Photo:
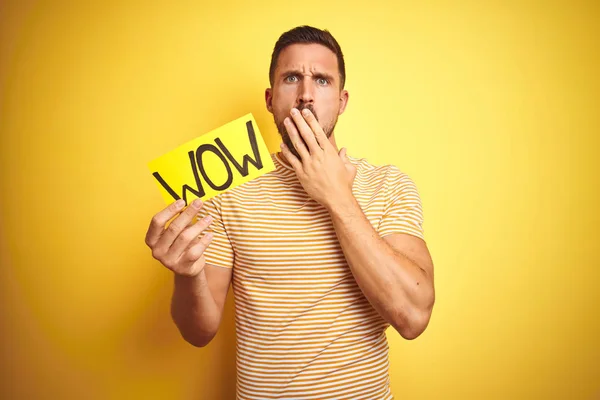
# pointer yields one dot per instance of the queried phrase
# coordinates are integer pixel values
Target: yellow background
(491, 107)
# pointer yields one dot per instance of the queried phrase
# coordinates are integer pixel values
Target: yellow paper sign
(213, 163)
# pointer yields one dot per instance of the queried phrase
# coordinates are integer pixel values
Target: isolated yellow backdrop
(491, 107)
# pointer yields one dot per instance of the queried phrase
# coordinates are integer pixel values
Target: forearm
(394, 285)
(194, 309)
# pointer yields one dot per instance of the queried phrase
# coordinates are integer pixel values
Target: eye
(323, 81)
(291, 78)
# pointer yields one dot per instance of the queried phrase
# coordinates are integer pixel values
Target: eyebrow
(316, 75)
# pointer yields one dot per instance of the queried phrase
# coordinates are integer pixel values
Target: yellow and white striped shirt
(304, 329)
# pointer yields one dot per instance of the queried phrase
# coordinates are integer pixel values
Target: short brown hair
(308, 35)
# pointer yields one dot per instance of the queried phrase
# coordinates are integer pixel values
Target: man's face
(306, 76)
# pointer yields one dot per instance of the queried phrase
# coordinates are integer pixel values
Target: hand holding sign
(216, 157)
(179, 247)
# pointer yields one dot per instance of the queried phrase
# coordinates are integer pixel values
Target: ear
(343, 101)
(269, 99)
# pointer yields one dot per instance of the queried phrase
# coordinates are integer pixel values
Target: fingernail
(197, 203)
(294, 111)
(209, 235)
(179, 203)
(208, 219)
(306, 111)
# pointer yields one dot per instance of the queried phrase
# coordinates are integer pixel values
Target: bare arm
(199, 290)
(198, 302)
(394, 273)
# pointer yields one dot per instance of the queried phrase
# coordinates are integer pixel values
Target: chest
(281, 227)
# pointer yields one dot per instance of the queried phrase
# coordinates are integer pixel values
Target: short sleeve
(403, 211)
(219, 252)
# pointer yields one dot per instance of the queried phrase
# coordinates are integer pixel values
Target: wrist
(191, 281)
(341, 206)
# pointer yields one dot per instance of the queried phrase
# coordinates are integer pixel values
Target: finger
(187, 237)
(295, 138)
(343, 155)
(158, 222)
(189, 258)
(320, 136)
(293, 160)
(177, 226)
(306, 131)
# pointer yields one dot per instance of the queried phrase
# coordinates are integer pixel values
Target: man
(324, 253)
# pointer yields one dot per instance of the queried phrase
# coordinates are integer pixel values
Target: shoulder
(386, 172)
(387, 182)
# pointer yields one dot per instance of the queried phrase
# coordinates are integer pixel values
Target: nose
(305, 91)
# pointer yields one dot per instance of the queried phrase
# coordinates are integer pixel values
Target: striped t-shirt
(304, 329)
